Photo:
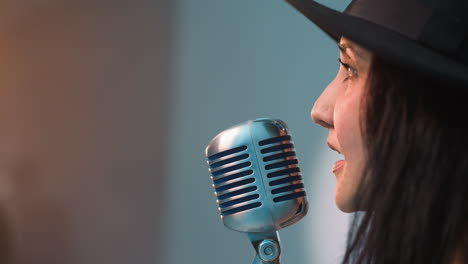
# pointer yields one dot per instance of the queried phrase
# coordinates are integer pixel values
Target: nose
(322, 111)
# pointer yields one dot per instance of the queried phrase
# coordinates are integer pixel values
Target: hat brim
(389, 44)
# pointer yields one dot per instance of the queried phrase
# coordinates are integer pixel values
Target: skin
(338, 109)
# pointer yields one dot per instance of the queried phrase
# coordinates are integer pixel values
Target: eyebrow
(342, 47)
(345, 46)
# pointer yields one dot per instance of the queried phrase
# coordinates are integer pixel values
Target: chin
(346, 190)
(344, 201)
(345, 207)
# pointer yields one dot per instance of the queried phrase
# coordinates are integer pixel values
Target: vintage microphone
(257, 183)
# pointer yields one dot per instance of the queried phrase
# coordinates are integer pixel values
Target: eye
(351, 72)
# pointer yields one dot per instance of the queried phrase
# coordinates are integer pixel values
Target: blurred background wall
(235, 61)
(106, 107)
(84, 89)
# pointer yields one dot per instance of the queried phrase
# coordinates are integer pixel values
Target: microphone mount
(267, 247)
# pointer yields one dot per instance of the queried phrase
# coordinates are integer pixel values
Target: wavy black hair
(414, 191)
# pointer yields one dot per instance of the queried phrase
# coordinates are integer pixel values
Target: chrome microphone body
(257, 182)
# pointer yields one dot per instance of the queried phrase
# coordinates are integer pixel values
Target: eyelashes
(344, 64)
(351, 72)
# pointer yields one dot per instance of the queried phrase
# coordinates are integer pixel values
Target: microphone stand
(267, 247)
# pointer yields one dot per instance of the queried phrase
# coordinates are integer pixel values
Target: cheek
(348, 134)
(348, 131)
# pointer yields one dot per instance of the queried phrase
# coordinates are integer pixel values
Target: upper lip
(333, 147)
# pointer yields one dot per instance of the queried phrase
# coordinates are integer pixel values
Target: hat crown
(423, 35)
(456, 7)
(441, 25)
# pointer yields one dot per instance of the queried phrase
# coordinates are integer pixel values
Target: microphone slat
(283, 172)
(241, 209)
(289, 196)
(239, 200)
(280, 164)
(226, 153)
(274, 140)
(232, 168)
(220, 180)
(277, 148)
(279, 156)
(230, 160)
(234, 185)
(238, 192)
(285, 180)
(287, 188)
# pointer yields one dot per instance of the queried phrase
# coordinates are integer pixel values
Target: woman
(396, 111)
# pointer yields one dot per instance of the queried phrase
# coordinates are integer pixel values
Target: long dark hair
(414, 192)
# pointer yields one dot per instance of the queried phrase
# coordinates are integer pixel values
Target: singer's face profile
(338, 109)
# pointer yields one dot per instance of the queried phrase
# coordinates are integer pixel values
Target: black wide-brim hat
(425, 35)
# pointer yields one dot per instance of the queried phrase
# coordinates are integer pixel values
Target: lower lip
(338, 165)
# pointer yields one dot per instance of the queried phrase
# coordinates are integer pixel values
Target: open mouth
(338, 165)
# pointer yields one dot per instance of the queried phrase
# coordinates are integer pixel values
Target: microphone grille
(284, 179)
(254, 172)
(229, 165)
